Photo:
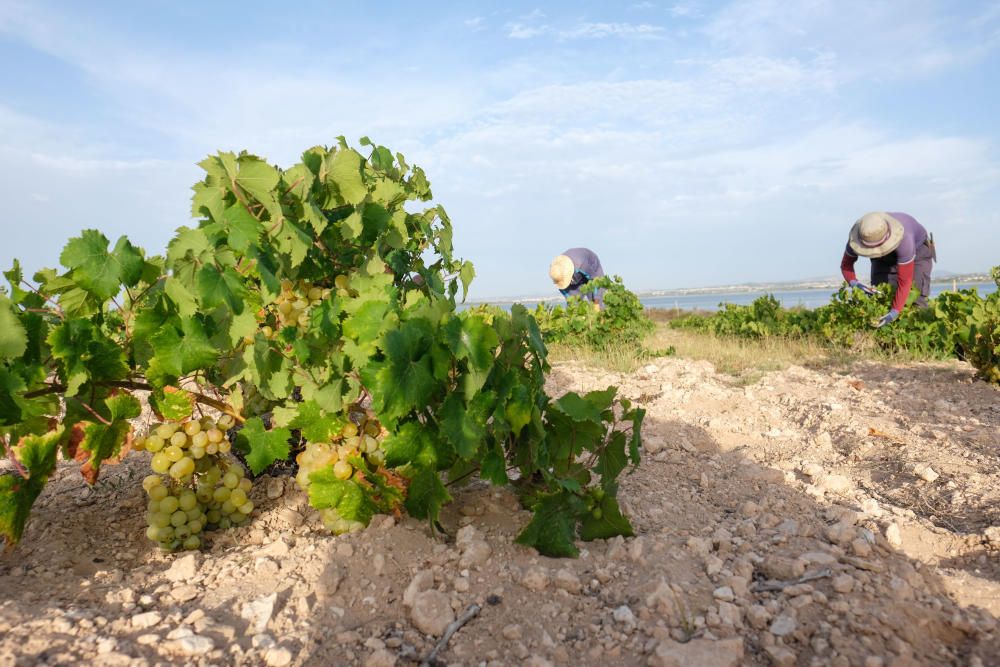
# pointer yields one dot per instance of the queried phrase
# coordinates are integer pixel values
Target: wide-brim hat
(875, 235)
(561, 271)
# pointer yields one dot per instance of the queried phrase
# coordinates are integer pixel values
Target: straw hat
(875, 235)
(561, 271)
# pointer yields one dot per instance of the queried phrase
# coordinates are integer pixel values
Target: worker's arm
(847, 267)
(904, 280)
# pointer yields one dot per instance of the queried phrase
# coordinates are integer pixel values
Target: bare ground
(811, 518)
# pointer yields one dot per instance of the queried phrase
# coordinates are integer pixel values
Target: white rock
(835, 484)
(191, 645)
(475, 552)
(258, 612)
(992, 535)
(183, 569)
(466, 534)
(623, 615)
(812, 470)
(278, 656)
(184, 592)
(724, 593)
(422, 581)
(146, 620)
(780, 656)
(568, 581)
(432, 612)
(537, 661)
(925, 472)
(783, 625)
(843, 583)
(275, 488)
(701, 652)
(893, 535)
(535, 578)
(381, 658)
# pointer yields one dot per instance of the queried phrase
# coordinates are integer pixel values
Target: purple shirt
(587, 266)
(914, 235)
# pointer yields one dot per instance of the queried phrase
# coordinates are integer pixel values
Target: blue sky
(688, 143)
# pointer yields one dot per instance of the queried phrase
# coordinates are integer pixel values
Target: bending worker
(901, 252)
(575, 268)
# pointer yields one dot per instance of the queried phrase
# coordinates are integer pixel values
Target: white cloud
(601, 30)
(476, 23)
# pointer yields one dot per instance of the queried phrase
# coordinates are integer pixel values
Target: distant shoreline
(832, 284)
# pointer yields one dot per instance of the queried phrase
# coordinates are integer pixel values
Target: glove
(857, 284)
(887, 318)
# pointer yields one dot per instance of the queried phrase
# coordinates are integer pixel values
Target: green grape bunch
(195, 484)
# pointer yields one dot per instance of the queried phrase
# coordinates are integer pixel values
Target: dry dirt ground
(811, 518)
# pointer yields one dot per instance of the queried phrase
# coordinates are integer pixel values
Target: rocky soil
(811, 518)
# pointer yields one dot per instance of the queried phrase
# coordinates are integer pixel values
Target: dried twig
(773, 586)
(470, 613)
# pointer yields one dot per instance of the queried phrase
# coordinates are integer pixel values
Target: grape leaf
(426, 494)
(552, 529)
(172, 404)
(262, 447)
(611, 523)
(221, 287)
(464, 425)
(257, 177)
(95, 269)
(345, 171)
(179, 353)
(97, 442)
(349, 499)
(13, 337)
(413, 443)
(244, 229)
(315, 424)
(86, 354)
(37, 454)
(473, 339)
(405, 380)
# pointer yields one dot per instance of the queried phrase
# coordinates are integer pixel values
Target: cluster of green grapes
(195, 485)
(364, 440)
(294, 302)
(594, 496)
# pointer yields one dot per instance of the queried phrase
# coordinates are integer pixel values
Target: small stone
(278, 656)
(780, 656)
(262, 641)
(184, 592)
(146, 620)
(893, 536)
(475, 553)
(381, 658)
(758, 616)
(783, 569)
(265, 567)
(512, 632)
(183, 569)
(925, 472)
(420, 583)
(278, 549)
(623, 616)
(191, 645)
(843, 583)
(812, 470)
(148, 639)
(783, 625)
(992, 535)
(432, 612)
(724, 593)
(258, 612)
(861, 548)
(275, 488)
(461, 584)
(537, 661)
(701, 652)
(568, 581)
(835, 484)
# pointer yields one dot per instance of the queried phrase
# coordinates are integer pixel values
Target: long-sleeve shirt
(587, 267)
(914, 235)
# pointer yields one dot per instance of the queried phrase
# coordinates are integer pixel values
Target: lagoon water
(808, 298)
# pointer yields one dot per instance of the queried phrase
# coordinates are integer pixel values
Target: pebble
(146, 620)
(843, 583)
(475, 553)
(835, 484)
(431, 612)
(183, 569)
(512, 632)
(783, 625)
(893, 536)
(925, 472)
(535, 579)
(381, 658)
(275, 488)
(623, 616)
(258, 612)
(537, 661)
(780, 656)
(278, 656)
(184, 593)
(191, 645)
(758, 616)
(724, 593)
(568, 581)
(701, 652)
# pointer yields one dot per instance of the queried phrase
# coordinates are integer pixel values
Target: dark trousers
(884, 271)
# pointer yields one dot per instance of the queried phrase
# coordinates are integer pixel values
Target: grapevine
(314, 309)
